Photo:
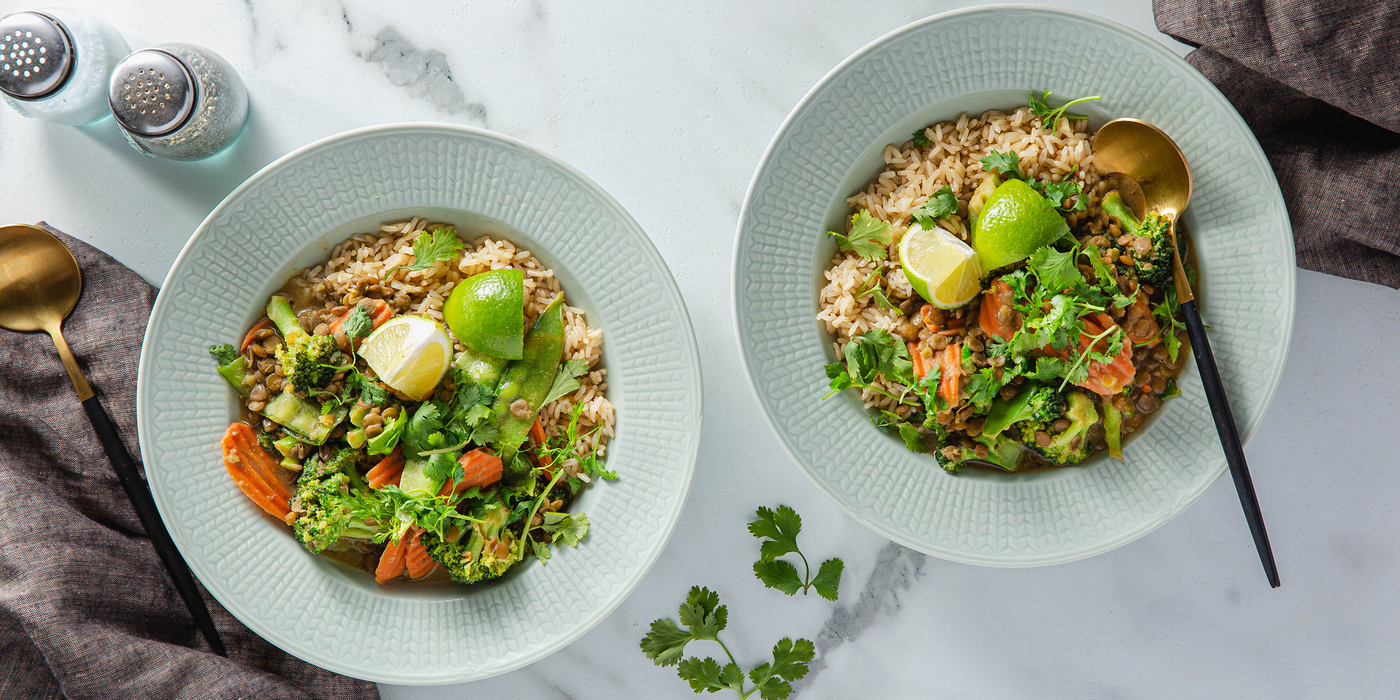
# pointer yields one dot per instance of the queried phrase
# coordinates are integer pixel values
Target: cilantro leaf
(358, 323)
(913, 441)
(566, 380)
(1102, 270)
(941, 205)
(665, 646)
(1168, 315)
(778, 574)
(371, 392)
(703, 614)
(1058, 192)
(869, 238)
(1008, 164)
(1053, 269)
(876, 292)
(568, 528)
(828, 578)
(1050, 118)
(665, 643)
(982, 387)
(921, 138)
(707, 675)
(778, 529)
(1048, 369)
(430, 248)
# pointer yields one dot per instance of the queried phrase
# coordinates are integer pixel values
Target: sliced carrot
(242, 438)
(378, 315)
(920, 368)
(238, 460)
(248, 339)
(479, 468)
(950, 367)
(537, 432)
(1107, 379)
(391, 562)
(388, 471)
(416, 557)
(996, 298)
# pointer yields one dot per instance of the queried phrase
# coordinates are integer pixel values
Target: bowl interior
(470, 227)
(289, 216)
(868, 166)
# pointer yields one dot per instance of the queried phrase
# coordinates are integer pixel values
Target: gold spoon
(40, 283)
(1146, 154)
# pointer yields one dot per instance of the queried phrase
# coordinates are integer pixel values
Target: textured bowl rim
(242, 613)
(742, 333)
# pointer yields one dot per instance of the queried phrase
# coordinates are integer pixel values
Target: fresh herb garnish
(868, 356)
(566, 380)
(1006, 164)
(223, 354)
(941, 205)
(921, 138)
(1058, 192)
(1050, 118)
(869, 238)
(877, 293)
(778, 530)
(357, 323)
(431, 248)
(1168, 314)
(702, 619)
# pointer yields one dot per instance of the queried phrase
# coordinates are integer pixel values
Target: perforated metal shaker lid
(152, 93)
(36, 55)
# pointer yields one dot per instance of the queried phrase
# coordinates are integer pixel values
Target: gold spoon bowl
(40, 283)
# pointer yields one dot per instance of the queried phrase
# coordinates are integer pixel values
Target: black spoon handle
(140, 495)
(1229, 439)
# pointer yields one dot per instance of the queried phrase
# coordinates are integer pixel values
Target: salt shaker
(178, 101)
(56, 62)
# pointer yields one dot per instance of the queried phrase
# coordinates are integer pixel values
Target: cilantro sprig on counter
(778, 531)
(702, 618)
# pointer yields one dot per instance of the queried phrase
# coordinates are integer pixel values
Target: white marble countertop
(669, 106)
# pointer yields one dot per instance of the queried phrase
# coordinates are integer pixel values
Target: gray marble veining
(423, 72)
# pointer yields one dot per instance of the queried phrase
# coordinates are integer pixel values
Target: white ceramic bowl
(288, 216)
(830, 146)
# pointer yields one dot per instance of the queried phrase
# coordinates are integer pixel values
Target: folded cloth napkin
(1319, 83)
(86, 609)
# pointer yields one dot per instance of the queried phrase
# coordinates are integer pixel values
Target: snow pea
(528, 379)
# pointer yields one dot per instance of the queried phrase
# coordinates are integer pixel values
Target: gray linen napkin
(1319, 83)
(86, 609)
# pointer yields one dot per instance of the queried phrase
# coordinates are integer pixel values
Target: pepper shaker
(55, 63)
(178, 101)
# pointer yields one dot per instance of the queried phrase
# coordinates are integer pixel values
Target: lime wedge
(940, 267)
(487, 313)
(1015, 221)
(409, 353)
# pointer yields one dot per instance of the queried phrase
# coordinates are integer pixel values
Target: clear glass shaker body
(82, 98)
(214, 122)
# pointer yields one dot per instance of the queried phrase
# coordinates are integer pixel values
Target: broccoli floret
(1155, 266)
(1002, 452)
(485, 553)
(1033, 402)
(306, 361)
(223, 354)
(321, 499)
(1072, 445)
